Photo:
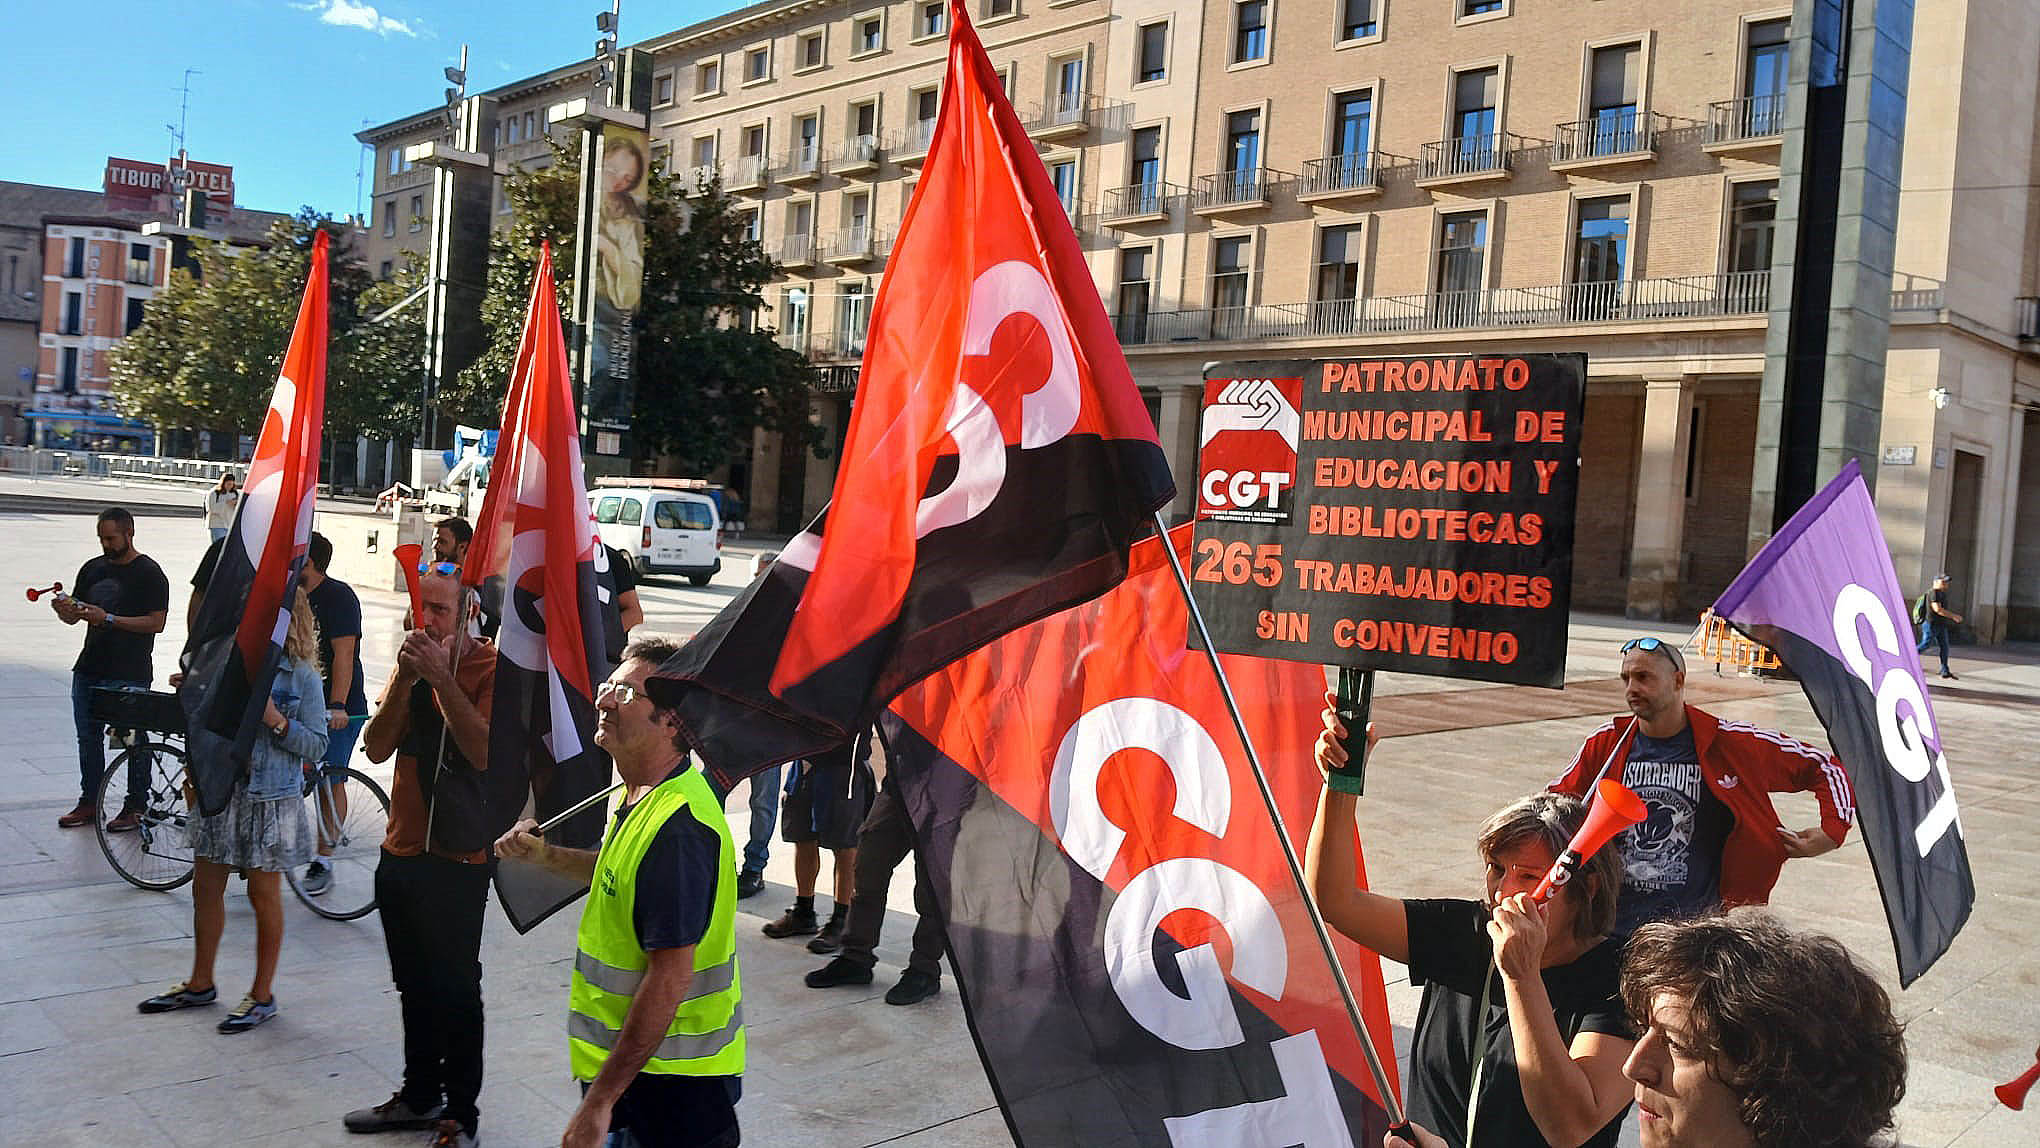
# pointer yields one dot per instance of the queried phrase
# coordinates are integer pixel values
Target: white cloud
(346, 14)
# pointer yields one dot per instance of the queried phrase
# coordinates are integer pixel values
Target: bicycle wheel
(156, 855)
(355, 839)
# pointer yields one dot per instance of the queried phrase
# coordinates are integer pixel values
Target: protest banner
(1405, 513)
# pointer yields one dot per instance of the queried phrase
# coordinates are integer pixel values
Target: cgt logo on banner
(1137, 963)
(1248, 449)
(1905, 722)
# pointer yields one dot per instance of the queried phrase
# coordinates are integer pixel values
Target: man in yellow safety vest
(655, 1028)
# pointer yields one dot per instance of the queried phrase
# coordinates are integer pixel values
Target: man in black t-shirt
(1934, 627)
(338, 609)
(124, 600)
(1557, 1077)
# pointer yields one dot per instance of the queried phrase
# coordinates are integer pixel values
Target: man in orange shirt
(432, 884)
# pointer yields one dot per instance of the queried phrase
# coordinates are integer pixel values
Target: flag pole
(1389, 1099)
(578, 806)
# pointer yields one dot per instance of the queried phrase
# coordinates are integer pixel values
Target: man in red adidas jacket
(1712, 837)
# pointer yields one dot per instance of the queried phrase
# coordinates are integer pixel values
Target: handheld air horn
(1615, 808)
(53, 588)
(2013, 1094)
(408, 555)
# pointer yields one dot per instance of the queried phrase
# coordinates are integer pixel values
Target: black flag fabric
(1822, 595)
(999, 461)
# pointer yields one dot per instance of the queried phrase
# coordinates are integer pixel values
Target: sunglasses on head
(1650, 645)
(449, 569)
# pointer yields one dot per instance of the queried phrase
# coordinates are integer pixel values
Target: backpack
(1920, 609)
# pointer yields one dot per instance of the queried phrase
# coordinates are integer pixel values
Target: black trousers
(432, 922)
(886, 839)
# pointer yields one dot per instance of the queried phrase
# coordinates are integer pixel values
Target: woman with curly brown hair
(1756, 1035)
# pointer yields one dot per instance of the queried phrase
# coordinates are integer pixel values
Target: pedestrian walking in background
(1935, 618)
(262, 832)
(123, 599)
(220, 504)
(338, 610)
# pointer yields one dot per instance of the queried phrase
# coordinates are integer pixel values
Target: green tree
(704, 379)
(209, 347)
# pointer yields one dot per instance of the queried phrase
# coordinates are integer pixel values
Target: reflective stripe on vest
(705, 1036)
(624, 982)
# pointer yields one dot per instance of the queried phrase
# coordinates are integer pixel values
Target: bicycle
(156, 855)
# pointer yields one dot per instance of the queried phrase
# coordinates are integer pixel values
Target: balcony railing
(1138, 201)
(1065, 114)
(1609, 135)
(1688, 297)
(1241, 187)
(913, 143)
(1335, 175)
(2028, 310)
(795, 251)
(1469, 157)
(851, 245)
(856, 155)
(802, 163)
(747, 173)
(792, 340)
(1748, 119)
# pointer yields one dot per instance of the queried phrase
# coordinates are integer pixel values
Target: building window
(758, 64)
(807, 147)
(811, 46)
(1133, 300)
(74, 258)
(793, 316)
(1154, 52)
(1613, 90)
(140, 267)
(1144, 158)
(74, 314)
(857, 214)
(853, 318)
(1767, 60)
(708, 78)
(1242, 144)
(1462, 258)
(864, 121)
(396, 160)
(704, 151)
(385, 270)
(1250, 31)
(749, 225)
(1338, 278)
(417, 213)
(931, 19)
(1352, 125)
(1474, 145)
(1069, 88)
(68, 380)
(662, 89)
(927, 104)
(994, 9)
(1600, 258)
(1229, 285)
(1753, 212)
(389, 218)
(870, 34)
(1480, 7)
(531, 125)
(1063, 174)
(1356, 20)
(135, 310)
(754, 141)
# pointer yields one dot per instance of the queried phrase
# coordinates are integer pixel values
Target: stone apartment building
(1318, 177)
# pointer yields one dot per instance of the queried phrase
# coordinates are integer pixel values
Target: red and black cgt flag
(534, 533)
(999, 460)
(1135, 959)
(230, 659)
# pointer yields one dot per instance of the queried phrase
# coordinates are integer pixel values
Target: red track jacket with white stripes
(1744, 765)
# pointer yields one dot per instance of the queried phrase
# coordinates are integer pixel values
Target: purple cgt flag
(1823, 596)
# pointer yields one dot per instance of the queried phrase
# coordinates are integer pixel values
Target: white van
(663, 531)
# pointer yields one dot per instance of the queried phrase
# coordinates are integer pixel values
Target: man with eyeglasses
(1712, 838)
(432, 882)
(655, 1030)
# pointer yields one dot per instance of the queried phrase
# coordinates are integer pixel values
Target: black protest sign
(1410, 514)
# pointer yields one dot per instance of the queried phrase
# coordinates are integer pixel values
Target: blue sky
(281, 87)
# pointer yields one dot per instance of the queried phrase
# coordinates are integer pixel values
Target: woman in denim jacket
(263, 831)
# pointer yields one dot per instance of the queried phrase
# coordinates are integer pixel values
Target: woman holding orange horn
(1527, 992)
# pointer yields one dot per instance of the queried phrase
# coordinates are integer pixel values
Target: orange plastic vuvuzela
(1615, 808)
(408, 556)
(2012, 1094)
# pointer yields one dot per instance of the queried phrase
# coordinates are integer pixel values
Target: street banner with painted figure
(236, 640)
(1135, 959)
(535, 533)
(1823, 596)
(998, 464)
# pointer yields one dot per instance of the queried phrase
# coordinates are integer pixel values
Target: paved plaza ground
(78, 947)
